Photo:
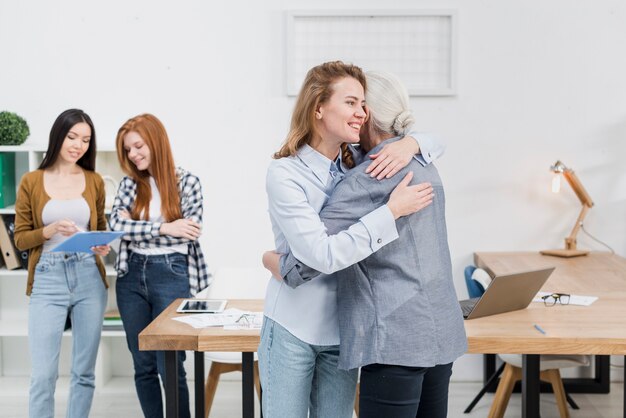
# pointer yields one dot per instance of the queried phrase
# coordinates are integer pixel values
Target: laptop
(506, 293)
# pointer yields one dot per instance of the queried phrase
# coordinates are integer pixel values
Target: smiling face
(76, 143)
(137, 150)
(340, 118)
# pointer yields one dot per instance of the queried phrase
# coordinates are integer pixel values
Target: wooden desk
(596, 329)
(164, 334)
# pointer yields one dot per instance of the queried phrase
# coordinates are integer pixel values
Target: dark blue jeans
(404, 392)
(150, 286)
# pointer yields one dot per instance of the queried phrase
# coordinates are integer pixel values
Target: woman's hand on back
(392, 158)
(181, 228)
(405, 199)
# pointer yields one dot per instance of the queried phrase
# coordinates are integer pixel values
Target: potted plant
(13, 129)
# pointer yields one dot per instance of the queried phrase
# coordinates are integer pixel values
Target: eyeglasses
(552, 299)
(246, 321)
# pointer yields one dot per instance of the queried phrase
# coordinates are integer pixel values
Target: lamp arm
(578, 188)
(570, 241)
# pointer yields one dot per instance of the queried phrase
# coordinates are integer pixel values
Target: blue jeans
(151, 285)
(404, 392)
(297, 377)
(65, 283)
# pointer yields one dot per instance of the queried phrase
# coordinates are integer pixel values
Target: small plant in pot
(13, 129)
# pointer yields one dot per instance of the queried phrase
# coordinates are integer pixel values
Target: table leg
(624, 414)
(247, 371)
(198, 377)
(530, 386)
(489, 369)
(171, 384)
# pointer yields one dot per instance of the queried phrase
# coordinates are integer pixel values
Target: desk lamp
(570, 242)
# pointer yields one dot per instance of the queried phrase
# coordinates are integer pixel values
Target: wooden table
(596, 329)
(165, 334)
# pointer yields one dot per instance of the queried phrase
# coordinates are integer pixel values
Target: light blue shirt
(430, 148)
(298, 187)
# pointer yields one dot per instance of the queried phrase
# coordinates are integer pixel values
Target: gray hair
(388, 102)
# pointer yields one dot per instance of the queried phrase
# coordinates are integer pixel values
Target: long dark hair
(60, 128)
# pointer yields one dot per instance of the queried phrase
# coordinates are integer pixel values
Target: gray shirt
(398, 306)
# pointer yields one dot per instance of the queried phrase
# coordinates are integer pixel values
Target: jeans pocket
(120, 276)
(88, 259)
(42, 267)
(178, 268)
(267, 332)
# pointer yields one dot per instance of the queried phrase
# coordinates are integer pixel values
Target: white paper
(573, 299)
(229, 319)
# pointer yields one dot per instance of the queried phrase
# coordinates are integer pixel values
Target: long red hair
(162, 167)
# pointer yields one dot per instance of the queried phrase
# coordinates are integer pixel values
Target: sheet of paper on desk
(573, 299)
(229, 319)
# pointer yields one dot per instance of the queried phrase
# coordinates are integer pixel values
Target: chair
(549, 366)
(230, 283)
(511, 368)
(224, 362)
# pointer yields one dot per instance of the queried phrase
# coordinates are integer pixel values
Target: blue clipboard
(81, 242)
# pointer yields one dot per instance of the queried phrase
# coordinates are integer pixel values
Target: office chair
(511, 368)
(231, 283)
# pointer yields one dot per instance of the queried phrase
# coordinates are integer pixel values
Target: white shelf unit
(114, 363)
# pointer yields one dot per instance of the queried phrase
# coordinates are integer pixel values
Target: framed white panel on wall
(419, 46)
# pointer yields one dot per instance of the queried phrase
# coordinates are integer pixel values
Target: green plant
(13, 129)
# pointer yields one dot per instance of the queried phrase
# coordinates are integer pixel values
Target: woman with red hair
(159, 207)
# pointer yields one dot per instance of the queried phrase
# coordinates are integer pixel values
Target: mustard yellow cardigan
(31, 199)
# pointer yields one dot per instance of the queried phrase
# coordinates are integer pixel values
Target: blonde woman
(400, 320)
(299, 346)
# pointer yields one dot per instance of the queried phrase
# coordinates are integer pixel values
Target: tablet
(201, 305)
(81, 242)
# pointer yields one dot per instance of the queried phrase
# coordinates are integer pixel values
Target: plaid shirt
(145, 234)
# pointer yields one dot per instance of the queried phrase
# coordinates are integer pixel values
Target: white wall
(537, 81)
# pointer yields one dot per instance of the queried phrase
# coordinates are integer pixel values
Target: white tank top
(76, 210)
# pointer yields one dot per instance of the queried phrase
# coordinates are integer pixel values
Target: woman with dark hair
(159, 208)
(63, 196)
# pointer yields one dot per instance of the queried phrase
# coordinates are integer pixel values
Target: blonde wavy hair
(316, 90)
